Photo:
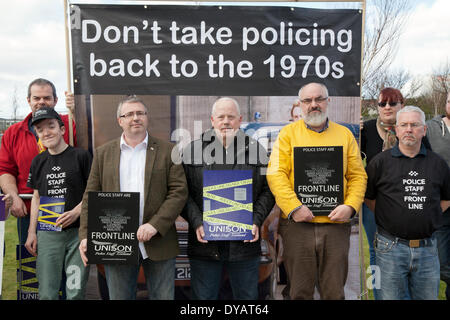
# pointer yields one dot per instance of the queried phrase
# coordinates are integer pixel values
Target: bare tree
(15, 104)
(395, 78)
(391, 78)
(440, 87)
(414, 87)
(385, 20)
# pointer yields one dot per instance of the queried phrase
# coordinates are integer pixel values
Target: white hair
(412, 109)
(213, 110)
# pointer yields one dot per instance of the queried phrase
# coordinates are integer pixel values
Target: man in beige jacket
(138, 162)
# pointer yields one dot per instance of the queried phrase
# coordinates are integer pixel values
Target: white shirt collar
(124, 144)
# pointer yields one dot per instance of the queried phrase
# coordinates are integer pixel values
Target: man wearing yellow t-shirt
(315, 247)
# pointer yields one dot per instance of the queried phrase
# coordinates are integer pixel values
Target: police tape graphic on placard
(227, 204)
(318, 178)
(27, 283)
(113, 220)
(49, 210)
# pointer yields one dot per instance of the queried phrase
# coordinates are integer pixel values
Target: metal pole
(68, 74)
(363, 293)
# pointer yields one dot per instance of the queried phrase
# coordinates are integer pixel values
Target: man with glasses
(145, 165)
(315, 247)
(406, 185)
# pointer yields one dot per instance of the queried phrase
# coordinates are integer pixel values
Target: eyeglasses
(383, 104)
(413, 125)
(318, 100)
(130, 115)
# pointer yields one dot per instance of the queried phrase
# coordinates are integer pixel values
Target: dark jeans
(159, 276)
(206, 278)
(443, 244)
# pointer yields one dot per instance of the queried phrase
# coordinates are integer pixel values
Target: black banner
(214, 50)
(319, 178)
(113, 220)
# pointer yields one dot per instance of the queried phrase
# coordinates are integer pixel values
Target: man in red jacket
(19, 146)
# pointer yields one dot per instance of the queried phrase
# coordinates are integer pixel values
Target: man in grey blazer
(138, 162)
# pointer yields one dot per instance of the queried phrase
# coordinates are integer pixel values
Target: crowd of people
(403, 187)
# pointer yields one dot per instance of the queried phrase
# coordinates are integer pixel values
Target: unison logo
(226, 228)
(318, 200)
(112, 248)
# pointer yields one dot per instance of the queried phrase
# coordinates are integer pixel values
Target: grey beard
(315, 120)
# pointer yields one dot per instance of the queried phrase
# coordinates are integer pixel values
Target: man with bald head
(315, 246)
(224, 147)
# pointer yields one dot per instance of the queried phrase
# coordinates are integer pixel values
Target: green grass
(9, 287)
(367, 263)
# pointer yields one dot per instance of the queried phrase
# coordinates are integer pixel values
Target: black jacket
(208, 153)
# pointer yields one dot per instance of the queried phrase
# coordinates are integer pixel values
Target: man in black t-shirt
(59, 172)
(405, 189)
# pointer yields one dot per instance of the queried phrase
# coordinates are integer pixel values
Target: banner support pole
(364, 293)
(68, 73)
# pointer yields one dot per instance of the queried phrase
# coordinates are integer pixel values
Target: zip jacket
(201, 155)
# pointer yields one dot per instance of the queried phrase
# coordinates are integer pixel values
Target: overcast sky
(33, 45)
